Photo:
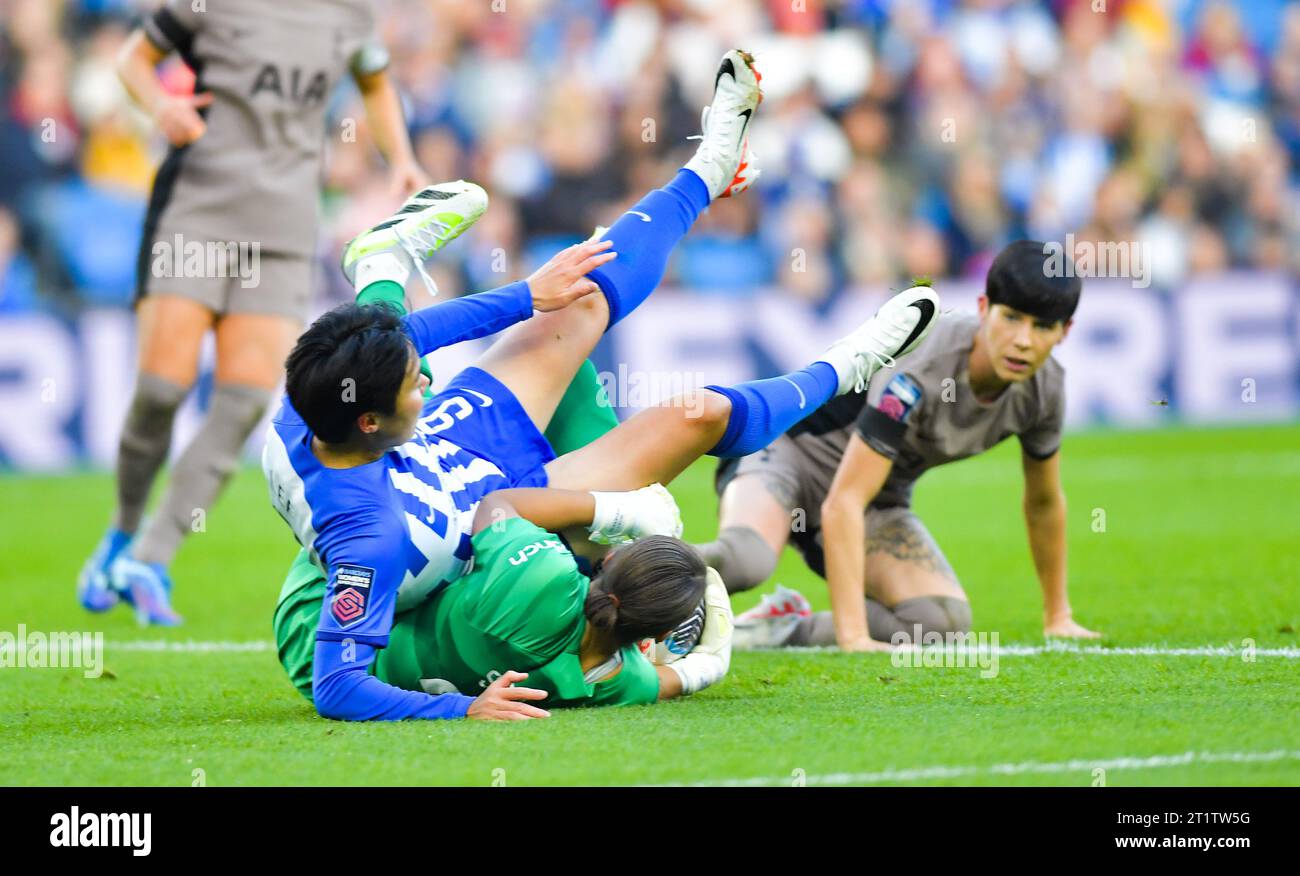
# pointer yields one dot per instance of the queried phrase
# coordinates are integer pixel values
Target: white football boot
(425, 223)
(772, 622)
(723, 160)
(898, 327)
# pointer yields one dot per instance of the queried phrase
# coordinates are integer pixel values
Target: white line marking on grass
(919, 774)
(192, 647)
(1290, 652)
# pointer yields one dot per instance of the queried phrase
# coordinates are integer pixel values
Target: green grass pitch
(1199, 551)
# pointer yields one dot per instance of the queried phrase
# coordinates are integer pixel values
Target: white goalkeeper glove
(622, 518)
(710, 659)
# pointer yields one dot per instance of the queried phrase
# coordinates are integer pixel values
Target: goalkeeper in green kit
(527, 605)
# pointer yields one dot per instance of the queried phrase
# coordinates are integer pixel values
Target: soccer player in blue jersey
(381, 485)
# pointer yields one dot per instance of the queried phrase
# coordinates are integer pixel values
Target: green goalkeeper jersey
(520, 608)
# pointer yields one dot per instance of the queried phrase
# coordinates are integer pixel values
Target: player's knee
(741, 556)
(590, 311)
(154, 405)
(937, 614)
(704, 409)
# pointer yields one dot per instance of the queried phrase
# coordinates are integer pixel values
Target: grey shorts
(226, 277)
(800, 485)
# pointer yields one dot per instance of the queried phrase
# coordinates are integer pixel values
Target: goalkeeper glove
(710, 659)
(622, 518)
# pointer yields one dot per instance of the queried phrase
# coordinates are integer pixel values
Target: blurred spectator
(898, 138)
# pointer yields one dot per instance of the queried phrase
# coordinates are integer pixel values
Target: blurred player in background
(241, 180)
(974, 382)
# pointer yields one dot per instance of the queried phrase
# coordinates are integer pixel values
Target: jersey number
(446, 415)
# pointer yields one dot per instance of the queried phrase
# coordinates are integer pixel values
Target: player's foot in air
(425, 223)
(93, 590)
(147, 587)
(898, 327)
(723, 160)
(771, 623)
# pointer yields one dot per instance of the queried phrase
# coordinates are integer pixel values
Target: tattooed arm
(861, 474)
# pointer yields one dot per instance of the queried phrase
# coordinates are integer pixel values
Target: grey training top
(923, 413)
(271, 66)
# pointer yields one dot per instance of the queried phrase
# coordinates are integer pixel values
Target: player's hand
(861, 644)
(405, 177)
(708, 662)
(501, 702)
(621, 518)
(1064, 626)
(563, 280)
(178, 117)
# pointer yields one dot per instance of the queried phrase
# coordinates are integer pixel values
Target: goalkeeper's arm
(710, 659)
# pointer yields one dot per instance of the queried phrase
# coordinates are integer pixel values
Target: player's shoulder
(517, 541)
(635, 683)
(1048, 384)
(944, 350)
(952, 335)
(532, 564)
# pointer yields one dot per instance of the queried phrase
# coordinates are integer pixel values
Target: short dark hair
(657, 581)
(351, 361)
(1024, 277)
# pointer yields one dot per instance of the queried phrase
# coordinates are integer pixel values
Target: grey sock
(202, 470)
(941, 614)
(741, 557)
(146, 437)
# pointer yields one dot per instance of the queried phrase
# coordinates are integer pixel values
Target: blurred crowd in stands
(897, 138)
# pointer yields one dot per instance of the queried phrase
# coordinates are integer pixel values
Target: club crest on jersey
(899, 397)
(351, 594)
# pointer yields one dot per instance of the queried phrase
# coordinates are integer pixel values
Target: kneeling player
(974, 382)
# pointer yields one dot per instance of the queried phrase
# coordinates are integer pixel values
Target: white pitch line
(919, 774)
(191, 647)
(1290, 652)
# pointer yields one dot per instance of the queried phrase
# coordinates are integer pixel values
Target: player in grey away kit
(227, 246)
(973, 382)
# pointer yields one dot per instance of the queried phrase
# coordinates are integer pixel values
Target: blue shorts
(479, 414)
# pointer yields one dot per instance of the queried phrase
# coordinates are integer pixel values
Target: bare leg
(654, 446)
(904, 561)
(754, 526)
(909, 584)
(250, 350)
(538, 359)
(171, 331)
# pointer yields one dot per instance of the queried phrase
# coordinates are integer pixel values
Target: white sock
(381, 266)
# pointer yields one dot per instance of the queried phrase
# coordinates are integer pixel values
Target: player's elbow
(1038, 503)
(334, 696)
(329, 704)
(841, 504)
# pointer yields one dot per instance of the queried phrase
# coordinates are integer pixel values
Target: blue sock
(643, 246)
(762, 410)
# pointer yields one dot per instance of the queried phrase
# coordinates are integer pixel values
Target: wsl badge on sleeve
(351, 594)
(900, 396)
